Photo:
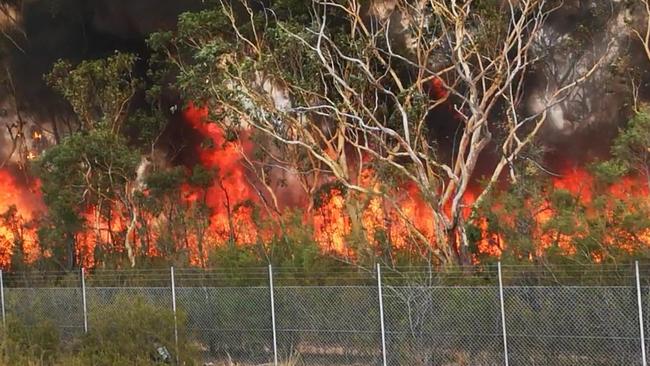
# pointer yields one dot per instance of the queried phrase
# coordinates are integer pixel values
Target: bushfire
(19, 207)
(234, 216)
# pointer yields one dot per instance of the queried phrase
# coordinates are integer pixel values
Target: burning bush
(399, 160)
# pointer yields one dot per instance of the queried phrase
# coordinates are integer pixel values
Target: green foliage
(165, 182)
(225, 62)
(293, 248)
(541, 223)
(97, 160)
(146, 127)
(126, 331)
(609, 171)
(98, 90)
(201, 177)
(23, 344)
(630, 151)
(87, 168)
(288, 56)
(293, 9)
(632, 146)
(211, 65)
(492, 17)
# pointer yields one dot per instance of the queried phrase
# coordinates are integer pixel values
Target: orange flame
(230, 192)
(403, 219)
(19, 205)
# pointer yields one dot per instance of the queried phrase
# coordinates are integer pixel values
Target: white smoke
(22, 137)
(568, 57)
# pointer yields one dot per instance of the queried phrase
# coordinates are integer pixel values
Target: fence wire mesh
(572, 325)
(63, 307)
(443, 325)
(230, 323)
(331, 325)
(577, 317)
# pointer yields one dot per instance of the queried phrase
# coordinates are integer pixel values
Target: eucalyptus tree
(347, 87)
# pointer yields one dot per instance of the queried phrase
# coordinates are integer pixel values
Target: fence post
(2, 297)
(640, 304)
(275, 342)
(83, 296)
(174, 310)
(503, 316)
(381, 316)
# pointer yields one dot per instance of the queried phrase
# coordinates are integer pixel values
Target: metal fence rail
(407, 322)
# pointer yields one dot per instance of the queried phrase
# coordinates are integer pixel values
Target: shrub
(29, 345)
(129, 330)
(125, 331)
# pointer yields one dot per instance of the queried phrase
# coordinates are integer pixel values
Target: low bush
(124, 331)
(23, 344)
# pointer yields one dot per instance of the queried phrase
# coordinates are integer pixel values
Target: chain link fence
(447, 318)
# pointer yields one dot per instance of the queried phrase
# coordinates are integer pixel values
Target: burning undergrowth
(227, 192)
(217, 203)
(20, 207)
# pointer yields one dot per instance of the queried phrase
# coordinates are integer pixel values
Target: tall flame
(232, 201)
(230, 193)
(19, 206)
